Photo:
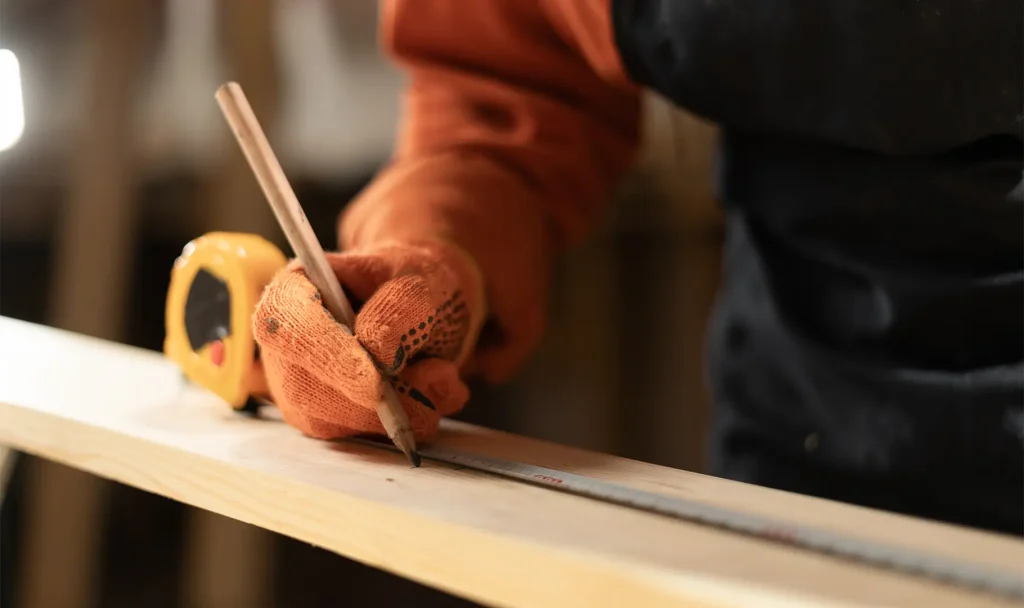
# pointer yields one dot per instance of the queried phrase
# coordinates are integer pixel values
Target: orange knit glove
(419, 309)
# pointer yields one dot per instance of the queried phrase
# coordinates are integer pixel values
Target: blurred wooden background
(125, 158)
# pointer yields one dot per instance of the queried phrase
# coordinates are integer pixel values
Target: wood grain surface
(129, 415)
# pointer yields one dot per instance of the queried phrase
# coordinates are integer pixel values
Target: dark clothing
(869, 338)
(868, 345)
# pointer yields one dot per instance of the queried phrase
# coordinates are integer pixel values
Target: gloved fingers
(427, 391)
(435, 384)
(410, 315)
(314, 408)
(294, 329)
(361, 273)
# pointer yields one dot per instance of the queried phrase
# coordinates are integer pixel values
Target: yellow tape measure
(215, 285)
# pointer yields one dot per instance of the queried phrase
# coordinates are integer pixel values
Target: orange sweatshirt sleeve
(517, 119)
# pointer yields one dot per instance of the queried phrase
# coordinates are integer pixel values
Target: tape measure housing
(215, 285)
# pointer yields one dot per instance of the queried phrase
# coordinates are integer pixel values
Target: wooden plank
(128, 415)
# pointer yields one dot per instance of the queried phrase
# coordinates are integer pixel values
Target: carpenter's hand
(422, 306)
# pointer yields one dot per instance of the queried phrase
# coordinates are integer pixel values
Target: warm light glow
(12, 108)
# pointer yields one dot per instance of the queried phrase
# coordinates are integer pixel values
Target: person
(870, 175)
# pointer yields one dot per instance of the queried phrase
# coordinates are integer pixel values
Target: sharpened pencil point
(414, 458)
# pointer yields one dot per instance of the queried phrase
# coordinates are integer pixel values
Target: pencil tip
(414, 458)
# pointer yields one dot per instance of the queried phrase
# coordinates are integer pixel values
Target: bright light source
(12, 109)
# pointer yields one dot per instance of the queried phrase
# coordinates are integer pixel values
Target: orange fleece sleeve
(517, 120)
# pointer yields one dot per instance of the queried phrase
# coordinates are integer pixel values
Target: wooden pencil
(292, 218)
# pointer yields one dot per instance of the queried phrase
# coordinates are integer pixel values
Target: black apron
(868, 341)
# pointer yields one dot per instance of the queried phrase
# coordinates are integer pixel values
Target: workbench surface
(128, 415)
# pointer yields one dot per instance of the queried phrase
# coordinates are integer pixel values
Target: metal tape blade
(956, 572)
